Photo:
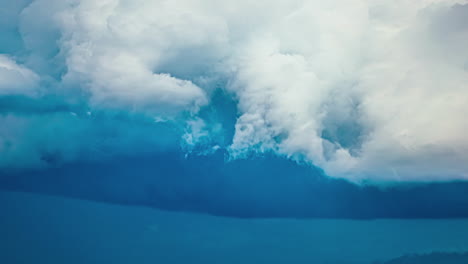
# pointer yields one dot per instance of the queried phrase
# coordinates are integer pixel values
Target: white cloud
(16, 79)
(402, 73)
(366, 90)
(118, 50)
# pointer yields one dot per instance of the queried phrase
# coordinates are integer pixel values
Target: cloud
(389, 82)
(16, 79)
(52, 135)
(366, 90)
(117, 50)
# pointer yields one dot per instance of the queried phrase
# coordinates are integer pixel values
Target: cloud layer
(16, 79)
(366, 90)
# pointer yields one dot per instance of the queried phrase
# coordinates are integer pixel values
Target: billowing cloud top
(366, 90)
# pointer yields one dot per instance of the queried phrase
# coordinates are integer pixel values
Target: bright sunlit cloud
(366, 90)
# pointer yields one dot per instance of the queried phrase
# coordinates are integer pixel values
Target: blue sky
(74, 231)
(270, 100)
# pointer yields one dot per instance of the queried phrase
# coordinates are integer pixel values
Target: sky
(365, 94)
(76, 232)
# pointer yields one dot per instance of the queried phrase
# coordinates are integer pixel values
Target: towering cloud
(366, 90)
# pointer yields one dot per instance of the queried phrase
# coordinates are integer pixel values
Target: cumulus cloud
(117, 50)
(365, 90)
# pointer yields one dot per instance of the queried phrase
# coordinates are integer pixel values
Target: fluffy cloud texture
(366, 90)
(16, 79)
